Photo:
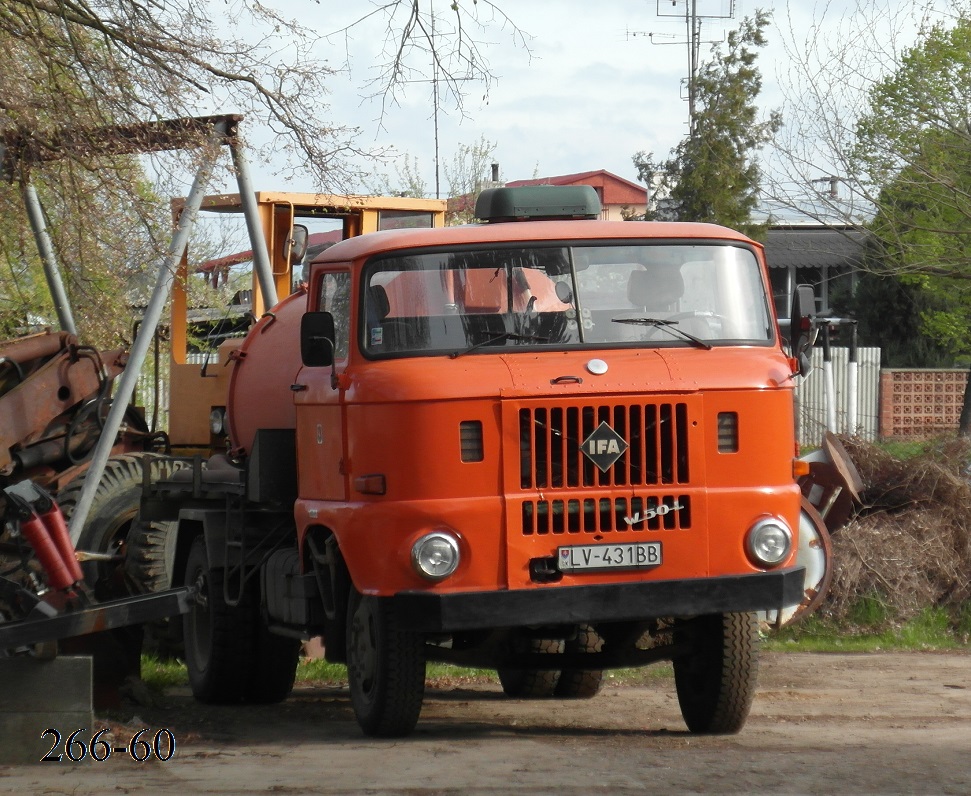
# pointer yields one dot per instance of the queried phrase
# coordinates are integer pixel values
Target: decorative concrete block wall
(920, 403)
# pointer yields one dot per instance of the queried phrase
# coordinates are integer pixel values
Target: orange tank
(263, 370)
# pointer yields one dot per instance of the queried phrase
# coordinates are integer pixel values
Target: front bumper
(432, 612)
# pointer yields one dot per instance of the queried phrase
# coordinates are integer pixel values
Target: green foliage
(159, 675)
(913, 148)
(713, 175)
(889, 314)
(869, 612)
(467, 176)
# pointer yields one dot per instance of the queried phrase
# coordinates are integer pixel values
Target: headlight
(217, 420)
(435, 555)
(769, 542)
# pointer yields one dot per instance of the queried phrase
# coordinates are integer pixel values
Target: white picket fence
(814, 408)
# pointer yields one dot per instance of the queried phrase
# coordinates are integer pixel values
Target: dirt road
(876, 723)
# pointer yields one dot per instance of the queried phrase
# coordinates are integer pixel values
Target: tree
(406, 182)
(74, 68)
(713, 175)
(899, 140)
(468, 174)
(89, 65)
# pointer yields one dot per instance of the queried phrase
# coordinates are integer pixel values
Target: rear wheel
(274, 667)
(114, 507)
(532, 683)
(230, 654)
(218, 638)
(385, 668)
(581, 683)
(716, 680)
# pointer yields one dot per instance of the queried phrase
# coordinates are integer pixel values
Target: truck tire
(385, 668)
(147, 571)
(716, 680)
(274, 666)
(532, 683)
(581, 683)
(109, 520)
(218, 637)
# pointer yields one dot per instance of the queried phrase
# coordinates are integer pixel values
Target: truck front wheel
(716, 678)
(385, 668)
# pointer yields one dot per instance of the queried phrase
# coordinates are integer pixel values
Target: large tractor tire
(149, 567)
(716, 680)
(116, 653)
(110, 518)
(230, 656)
(532, 683)
(385, 668)
(581, 683)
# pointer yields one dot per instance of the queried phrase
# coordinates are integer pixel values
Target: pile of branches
(909, 546)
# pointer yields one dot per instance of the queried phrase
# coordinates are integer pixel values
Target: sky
(594, 83)
(588, 90)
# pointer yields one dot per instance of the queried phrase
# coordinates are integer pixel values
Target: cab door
(321, 437)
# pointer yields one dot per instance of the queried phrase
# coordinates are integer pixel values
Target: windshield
(636, 294)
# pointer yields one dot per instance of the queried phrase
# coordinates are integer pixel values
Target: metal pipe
(828, 382)
(257, 240)
(153, 314)
(35, 214)
(852, 382)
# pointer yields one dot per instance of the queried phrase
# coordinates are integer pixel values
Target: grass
(871, 629)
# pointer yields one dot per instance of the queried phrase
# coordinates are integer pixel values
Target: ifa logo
(604, 447)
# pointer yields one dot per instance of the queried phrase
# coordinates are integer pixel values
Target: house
(827, 257)
(619, 198)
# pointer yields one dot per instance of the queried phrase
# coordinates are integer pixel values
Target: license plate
(591, 557)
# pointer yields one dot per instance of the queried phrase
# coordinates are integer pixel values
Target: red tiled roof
(580, 178)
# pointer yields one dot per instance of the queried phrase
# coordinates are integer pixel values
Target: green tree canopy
(74, 68)
(713, 174)
(913, 154)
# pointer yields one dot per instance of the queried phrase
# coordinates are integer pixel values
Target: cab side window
(335, 298)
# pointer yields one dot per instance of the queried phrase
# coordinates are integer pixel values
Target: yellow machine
(198, 390)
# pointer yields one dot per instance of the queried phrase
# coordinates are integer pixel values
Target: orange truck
(544, 444)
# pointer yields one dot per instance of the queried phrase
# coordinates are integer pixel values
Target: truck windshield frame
(524, 296)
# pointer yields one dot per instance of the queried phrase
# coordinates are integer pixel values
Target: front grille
(599, 515)
(551, 439)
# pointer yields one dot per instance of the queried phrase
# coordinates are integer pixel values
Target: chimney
(495, 172)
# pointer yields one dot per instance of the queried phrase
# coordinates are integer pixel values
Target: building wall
(920, 403)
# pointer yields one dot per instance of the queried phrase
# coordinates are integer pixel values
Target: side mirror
(317, 339)
(802, 326)
(295, 244)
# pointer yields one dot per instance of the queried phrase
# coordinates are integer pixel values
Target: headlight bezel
(769, 542)
(425, 554)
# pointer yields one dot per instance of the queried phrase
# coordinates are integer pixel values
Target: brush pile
(909, 545)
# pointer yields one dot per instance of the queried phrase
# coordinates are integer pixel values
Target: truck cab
(545, 427)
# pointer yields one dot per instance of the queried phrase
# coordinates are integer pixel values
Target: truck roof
(525, 231)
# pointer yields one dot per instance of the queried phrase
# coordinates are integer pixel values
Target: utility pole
(694, 17)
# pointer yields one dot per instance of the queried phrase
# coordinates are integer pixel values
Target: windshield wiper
(667, 326)
(499, 338)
